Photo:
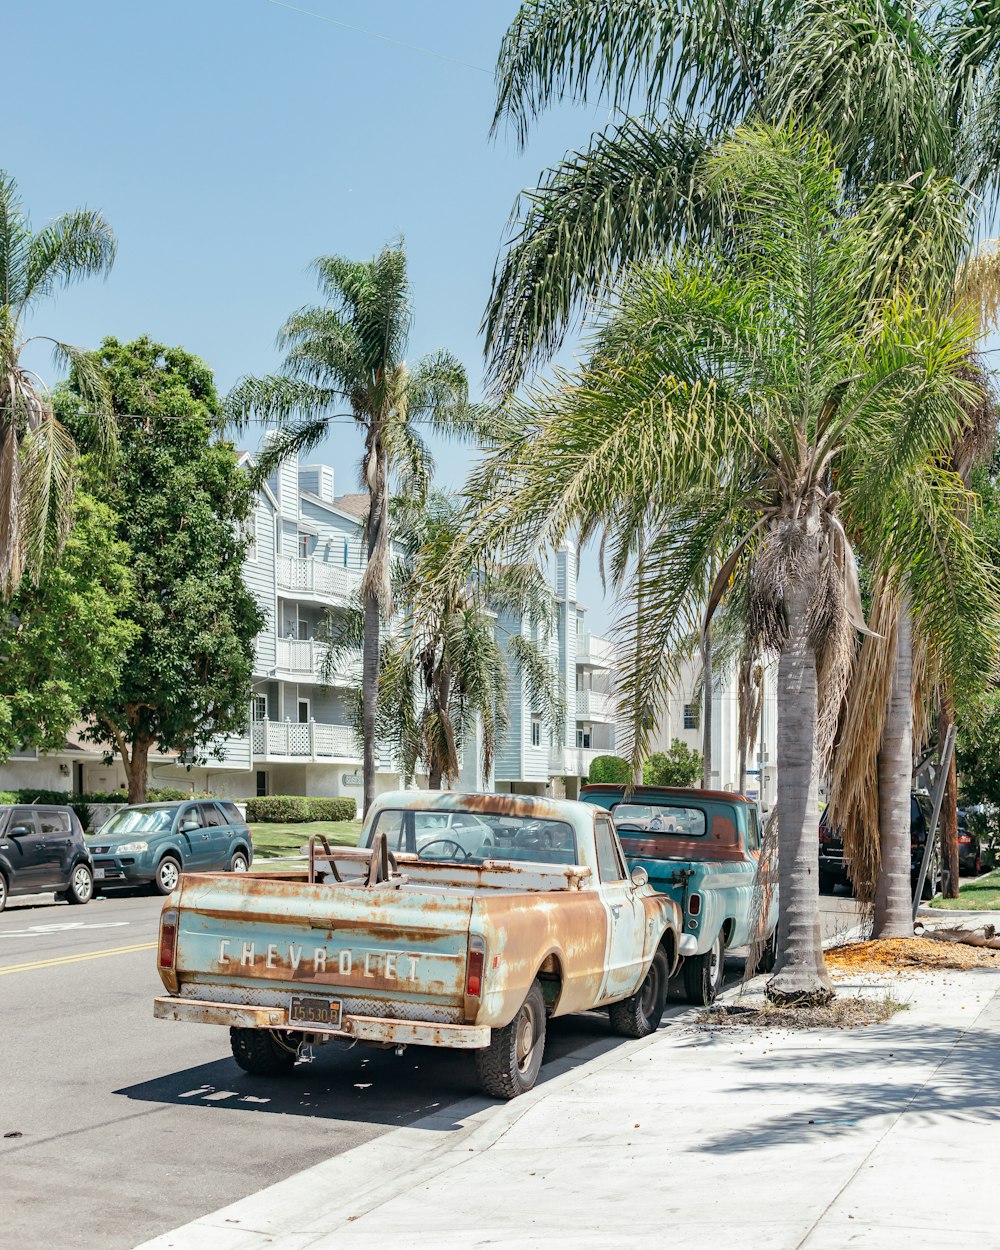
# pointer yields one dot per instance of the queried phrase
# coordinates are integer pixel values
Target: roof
(673, 792)
(357, 504)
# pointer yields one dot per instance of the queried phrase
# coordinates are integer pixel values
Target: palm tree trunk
(800, 975)
(949, 809)
(893, 914)
(706, 740)
(378, 520)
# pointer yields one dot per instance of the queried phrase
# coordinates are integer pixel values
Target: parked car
(970, 853)
(43, 848)
(153, 843)
(833, 869)
(403, 947)
(702, 849)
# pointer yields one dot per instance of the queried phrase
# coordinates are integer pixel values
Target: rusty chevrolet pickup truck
(462, 920)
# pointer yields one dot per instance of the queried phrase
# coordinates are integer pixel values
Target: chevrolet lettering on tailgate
(462, 920)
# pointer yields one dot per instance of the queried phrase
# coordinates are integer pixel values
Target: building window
(303, 545)
(303, 705)
(583, 737)
(692, 715)
(260, 707)
(536, 731)
(261, 783)
(250, 538)
(303, 631)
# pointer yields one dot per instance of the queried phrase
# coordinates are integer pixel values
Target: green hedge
(609, 769)
(64, 798)
(294, 810)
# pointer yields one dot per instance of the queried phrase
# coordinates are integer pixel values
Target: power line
(373, 34)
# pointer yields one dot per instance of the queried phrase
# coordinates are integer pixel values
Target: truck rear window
(643, 819)
(472, 837)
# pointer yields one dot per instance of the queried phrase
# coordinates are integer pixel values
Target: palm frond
(77, 245)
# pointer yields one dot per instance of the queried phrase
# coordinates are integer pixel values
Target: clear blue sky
(231, 141)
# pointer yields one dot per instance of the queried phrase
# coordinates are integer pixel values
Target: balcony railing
(595, 704)
(306, 657)
(576, 761)
(303, 575)
(594, 650)
(310, 740)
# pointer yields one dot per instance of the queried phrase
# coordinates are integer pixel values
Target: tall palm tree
(468, 631)
(346, 358)
(36, 451)
(738, 413)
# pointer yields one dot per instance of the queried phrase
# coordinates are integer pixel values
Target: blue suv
(153, 843)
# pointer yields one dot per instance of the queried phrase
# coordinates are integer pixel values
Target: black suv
(833, 870)
(42, 848)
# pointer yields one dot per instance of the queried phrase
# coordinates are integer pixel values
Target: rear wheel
(168, 873)
(239, 862)
(510, 1064)
(81, 886)
(827, 883)
(640, 1015)
(3, 891)
(769, 955)
(703, 974)
(262, 1052)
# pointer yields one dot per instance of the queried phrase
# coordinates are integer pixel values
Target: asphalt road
(115, 1127)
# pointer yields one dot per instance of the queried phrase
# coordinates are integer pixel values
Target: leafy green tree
(36, 452)
(346, 358)
(610, 769)
(181, 503)
(740, 412)
(63, 639)
(679, 766)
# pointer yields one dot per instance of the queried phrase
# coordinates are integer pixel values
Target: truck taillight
(168, 938)
(694, 904)
(477, 959)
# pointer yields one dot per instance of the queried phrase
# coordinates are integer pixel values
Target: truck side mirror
(639, 876)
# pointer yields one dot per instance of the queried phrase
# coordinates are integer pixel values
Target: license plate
(98, 874)
(325, 1012)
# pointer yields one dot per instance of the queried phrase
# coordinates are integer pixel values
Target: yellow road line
(75, 959)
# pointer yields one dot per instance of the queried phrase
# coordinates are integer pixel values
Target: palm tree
(36, 451)
(346, 358)
(446, 677)
(744, 409)
(907, 99)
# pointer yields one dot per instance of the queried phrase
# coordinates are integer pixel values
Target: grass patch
(270, 840)
(982, 895)
(842, 1013)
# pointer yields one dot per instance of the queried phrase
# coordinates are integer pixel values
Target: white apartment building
(305, 559)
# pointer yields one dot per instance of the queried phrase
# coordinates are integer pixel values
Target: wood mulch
(905, 955)
(842, 1013)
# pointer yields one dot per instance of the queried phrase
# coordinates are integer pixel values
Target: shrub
(680, 766)
(611, 769)
(294, 810)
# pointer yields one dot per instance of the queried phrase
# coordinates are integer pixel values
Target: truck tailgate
(253, 940)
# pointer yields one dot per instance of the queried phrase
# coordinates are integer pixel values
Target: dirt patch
(904, 955)
(842, 1013)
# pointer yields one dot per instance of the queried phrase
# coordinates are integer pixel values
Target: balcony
(311, 741)
(594, 651)
(307, 658)
(307, 578)
(576, 761)
(595, 705)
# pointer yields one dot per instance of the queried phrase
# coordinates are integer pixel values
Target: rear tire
(258, 1052)
(168, 873)
(3, 891)
(769, 955)
(510, 1064)
(827, 883)
(640, 1015)
(81, 886)
(239, 862)
(703, 974)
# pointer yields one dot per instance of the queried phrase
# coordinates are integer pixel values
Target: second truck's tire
(703, 974)
(510, 1064)
(259, 1052)
(640, 1015)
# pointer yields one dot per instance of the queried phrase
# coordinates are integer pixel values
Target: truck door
(626, 917)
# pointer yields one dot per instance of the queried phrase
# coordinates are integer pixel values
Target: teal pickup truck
(702, 849)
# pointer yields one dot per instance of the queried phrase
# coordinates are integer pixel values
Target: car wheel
(827, 883)
(640, 1015)
(510, 1064)
(703, 974)
(81, 886)
(769, 955)
(3, 891)
(239, 862)
(262, 1052)
(168, 873)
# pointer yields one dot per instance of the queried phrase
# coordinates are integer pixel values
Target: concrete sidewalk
(724, 1140)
